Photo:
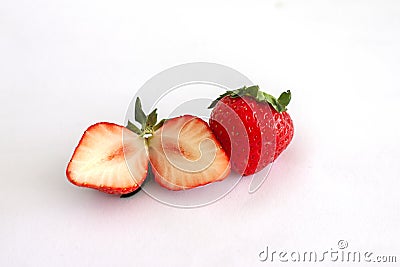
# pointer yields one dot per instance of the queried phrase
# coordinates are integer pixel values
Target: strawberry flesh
(185, 154)
(109, 158)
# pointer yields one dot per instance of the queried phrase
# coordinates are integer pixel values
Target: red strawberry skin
(284, 130)
(252, 133)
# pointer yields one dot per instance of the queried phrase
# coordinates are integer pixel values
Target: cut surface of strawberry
(101, 159)
(185, 154)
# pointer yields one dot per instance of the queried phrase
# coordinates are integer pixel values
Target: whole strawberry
(253, 127)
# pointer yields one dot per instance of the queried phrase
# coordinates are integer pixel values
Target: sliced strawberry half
(185, 154)
(101, 159)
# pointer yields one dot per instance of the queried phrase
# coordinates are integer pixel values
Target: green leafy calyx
(148, 123)
(279, 104)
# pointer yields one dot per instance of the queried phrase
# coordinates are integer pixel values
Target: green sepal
(158, 125)
(148, 122)
(151, 119)
(140, 116)
(133, 128)
(279, 104)
(284, 98)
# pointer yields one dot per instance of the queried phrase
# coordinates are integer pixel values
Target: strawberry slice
(185, 154)
(99, 161)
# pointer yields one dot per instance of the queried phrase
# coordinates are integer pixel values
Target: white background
(67, 64)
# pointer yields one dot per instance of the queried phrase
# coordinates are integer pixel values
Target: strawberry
(183, 153)
(253, 127)
(99, 159)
